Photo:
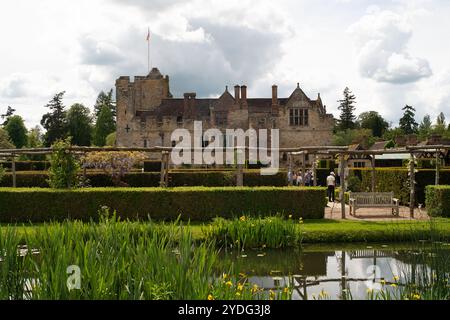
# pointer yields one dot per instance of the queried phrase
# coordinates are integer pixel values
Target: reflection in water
(336, 273)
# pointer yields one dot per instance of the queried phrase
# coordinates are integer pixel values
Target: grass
(328, 231)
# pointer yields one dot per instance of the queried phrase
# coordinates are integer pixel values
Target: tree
(105, 99)
(9, 112)
(407, 123)
(55, 121)
(425, 127)
(104, 126)
(17, 131)
(374, 121)
(35, 141)
(111, 139)
(5, 142)
(347, 117)
(79, 125)
(357, 136)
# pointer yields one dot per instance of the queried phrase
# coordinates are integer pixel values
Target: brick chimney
(189, 105)
(274, 94)
(237, 94)
(244, 95)
(274, 99)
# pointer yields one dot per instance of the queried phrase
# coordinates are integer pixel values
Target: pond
(321, 272)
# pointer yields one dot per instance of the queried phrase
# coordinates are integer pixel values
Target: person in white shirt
(331, 183)
(299, 179)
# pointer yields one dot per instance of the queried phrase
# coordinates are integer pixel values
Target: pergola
(315, 151)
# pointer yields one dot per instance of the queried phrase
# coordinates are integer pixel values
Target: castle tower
(143, 95)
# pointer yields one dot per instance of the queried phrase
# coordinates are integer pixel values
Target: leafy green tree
(35, 140)
(105, 99)
(393, 133)
(17, 131)
(5, 142)
(55, 122)
(63, 166)
(347, 107)
(407, 123)
(104, 126)
(79, 124)
(374, 121)
(111, 139)
(357, 136)
(9, 112)
(425, 127)
(440, 128)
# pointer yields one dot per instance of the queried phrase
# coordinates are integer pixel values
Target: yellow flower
(290, 216)
(369, 291)
(383, 282)
(272, 295)
(286, 290)
(393, 285)
(229, 284)
(255, 288)
(210, 297)
(243, 218)
(396, 278)
(416, 296)
(238, 294)
(242, 275)
(240, 287)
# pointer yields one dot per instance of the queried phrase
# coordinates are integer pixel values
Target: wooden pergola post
(167, 167)
(290, 182)
(13, 169)
(315, 170)
(438, 165)
(342, 178)
(162, 181)
(373, 173)
(412, 182)
(240, 170)
(303, 168)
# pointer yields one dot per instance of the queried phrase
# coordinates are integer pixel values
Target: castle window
(221, 119)
(145, 143)
(262, 122)
(298, 117)
(180, 120)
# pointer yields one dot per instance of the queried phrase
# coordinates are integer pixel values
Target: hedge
(27, 165)
(438, 201)
(196, 204)
(397, 180)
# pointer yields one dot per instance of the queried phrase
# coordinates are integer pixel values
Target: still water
(331, 270)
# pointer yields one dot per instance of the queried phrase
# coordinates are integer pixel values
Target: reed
(247, 232)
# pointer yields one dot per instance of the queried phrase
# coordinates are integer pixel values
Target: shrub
(27, 165)
(63, 166)
(438, 201)
(114, 163)
(200, 204)
(152, 166)
(2, 173)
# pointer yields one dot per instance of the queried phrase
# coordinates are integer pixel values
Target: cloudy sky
(390, 53)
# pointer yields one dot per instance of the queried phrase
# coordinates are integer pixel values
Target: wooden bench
(373, 200)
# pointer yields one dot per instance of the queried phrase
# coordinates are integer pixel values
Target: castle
(147, 113)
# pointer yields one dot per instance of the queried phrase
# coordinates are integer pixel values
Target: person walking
(299, 179)
(331, 183)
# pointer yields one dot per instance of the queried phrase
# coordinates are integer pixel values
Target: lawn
(334, 231)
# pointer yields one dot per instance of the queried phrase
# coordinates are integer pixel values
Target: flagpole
(148, 52)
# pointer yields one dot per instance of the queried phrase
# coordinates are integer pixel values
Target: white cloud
(382, 42)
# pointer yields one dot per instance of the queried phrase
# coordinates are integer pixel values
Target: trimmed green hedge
(27, 165)
(438, 201)
(197, 204)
